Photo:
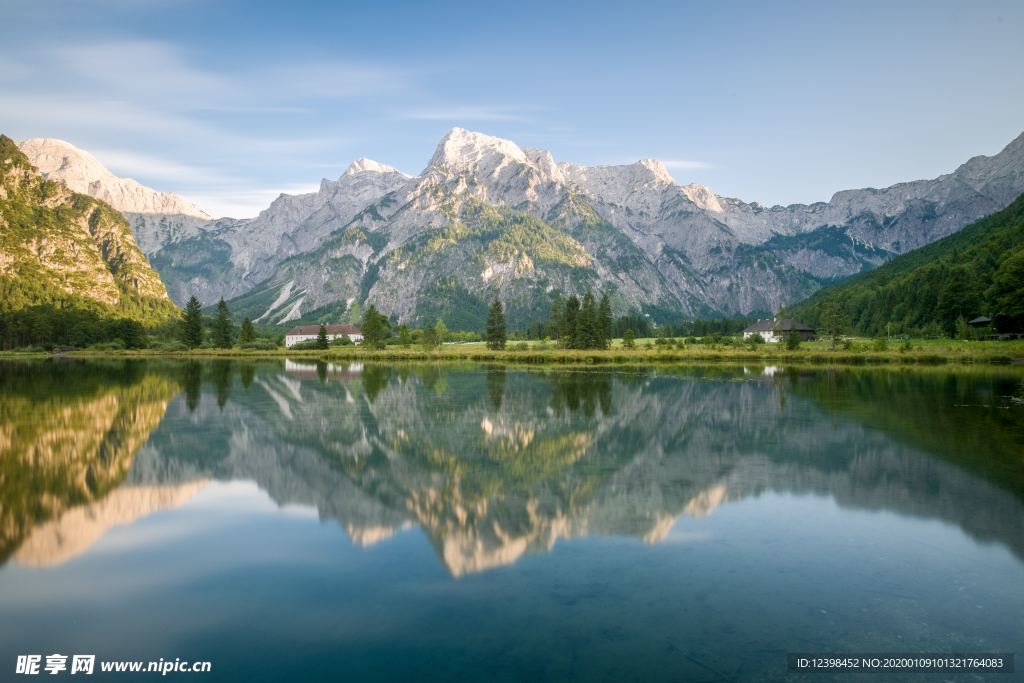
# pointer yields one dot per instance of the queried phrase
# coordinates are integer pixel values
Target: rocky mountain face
(230, 257)
(487, 218)
(64, 248)
(156, 217)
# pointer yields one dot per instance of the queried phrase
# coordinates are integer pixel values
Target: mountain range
(488, 218)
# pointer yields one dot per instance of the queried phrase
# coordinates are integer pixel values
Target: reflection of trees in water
(582, 391)
(375, 378)
(964, 417)
(496, 386)
(246, 373)
(220, 372)
(191, 381)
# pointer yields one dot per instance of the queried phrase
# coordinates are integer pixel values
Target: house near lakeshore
(307, 333)
(776, 329)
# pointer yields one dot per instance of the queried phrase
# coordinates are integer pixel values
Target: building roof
(331, 329)
(779, 325)
(980, 320)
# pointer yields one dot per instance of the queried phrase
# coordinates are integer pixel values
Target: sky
(231, 103)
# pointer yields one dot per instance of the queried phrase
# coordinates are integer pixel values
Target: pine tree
(321, 337)
(404, 336)
(834, 319)
(248, 333)
(585, 336)
(495, 334)
(628, 339)
(604, 323)
(554, 326)
(192, 323)
(376, 328)
(567, 330)
(223, 328)
(441, 331)
(792, 340)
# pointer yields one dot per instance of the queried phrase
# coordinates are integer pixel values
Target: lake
(303, 521)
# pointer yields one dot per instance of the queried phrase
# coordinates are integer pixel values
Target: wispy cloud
(684, 164)
(468, 113)
(132, 164)
(149, 95)
(244, 202)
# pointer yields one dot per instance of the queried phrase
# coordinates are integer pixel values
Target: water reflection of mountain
(68, 437)
(491, 463)
(494, 464)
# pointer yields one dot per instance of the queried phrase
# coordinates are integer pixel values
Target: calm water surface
(293, 521)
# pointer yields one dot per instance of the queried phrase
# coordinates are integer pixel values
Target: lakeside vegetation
(646, 351)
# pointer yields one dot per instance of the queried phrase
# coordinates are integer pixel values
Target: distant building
(305, 333)
(980, 321)
(776, 329)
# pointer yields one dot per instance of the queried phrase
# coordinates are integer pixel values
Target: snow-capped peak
(82, 172)
(463, 149)
(364, 165)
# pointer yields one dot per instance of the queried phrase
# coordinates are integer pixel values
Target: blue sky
(230, 103)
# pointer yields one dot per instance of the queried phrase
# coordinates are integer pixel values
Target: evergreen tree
(604, 323)
(429, 338)
(496, 334)
(585, 324)
(793, 340)
(404, 336)
(628, 339)
(567, 330)
(1007, 289)
(957, 298)
(376, 328)
(555, 320)
(441, 331)
(129, 331)
(192, 323)
(834, 320)
(248, 333)
(321, 337)
(223, 328)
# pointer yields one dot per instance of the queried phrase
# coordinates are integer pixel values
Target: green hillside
(67, 250)
(976, 271)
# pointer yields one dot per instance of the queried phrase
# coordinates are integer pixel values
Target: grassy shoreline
(973, 353)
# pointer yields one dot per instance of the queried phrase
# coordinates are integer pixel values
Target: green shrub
(172, 345)
(115, 345)
(259, 345)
